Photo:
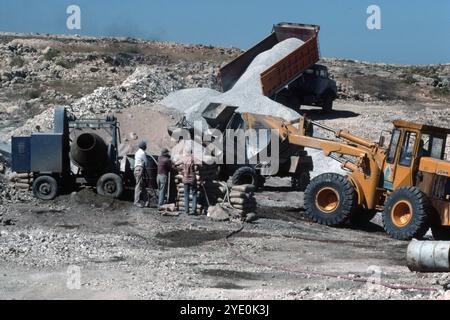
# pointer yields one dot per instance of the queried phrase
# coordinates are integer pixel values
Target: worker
(164, 168)
(140, 169)
(189, 181)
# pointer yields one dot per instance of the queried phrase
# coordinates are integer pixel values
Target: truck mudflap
(278, 75)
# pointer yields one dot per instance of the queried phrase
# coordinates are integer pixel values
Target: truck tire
(441, 232)
(110, 185)
(246, 175)
(330, 199)
(327, 104)
(406, 214)
(300, 180)
(45, 188)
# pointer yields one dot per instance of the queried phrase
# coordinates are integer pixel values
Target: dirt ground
(122, 252)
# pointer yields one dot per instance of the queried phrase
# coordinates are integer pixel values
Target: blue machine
(49, 156)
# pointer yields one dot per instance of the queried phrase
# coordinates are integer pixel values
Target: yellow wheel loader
(408, 180)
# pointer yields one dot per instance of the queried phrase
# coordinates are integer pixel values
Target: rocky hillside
(380, 82)
(97, 76)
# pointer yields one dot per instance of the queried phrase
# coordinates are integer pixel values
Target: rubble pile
(245, 94)
(147, 85)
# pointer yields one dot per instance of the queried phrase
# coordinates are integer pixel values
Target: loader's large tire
(406, 214)
(110, 185)
(45, 188)
(441, 232)
(330, 199)
(300, 180)
(247, 175)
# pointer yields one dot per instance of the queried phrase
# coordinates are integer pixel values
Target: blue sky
(413, 31)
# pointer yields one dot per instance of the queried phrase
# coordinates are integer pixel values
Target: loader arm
(365, 168)
(365, 171)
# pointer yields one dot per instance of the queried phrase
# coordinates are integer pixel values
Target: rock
(250, 217)
(218, 213)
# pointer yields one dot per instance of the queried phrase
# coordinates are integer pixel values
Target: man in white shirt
(140, 165)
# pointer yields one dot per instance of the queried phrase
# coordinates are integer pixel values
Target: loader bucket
(217, 114)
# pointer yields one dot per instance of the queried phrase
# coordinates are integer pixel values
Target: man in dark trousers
(164, 168)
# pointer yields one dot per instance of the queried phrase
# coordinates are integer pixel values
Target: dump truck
(294, 80)
(78, 152)
(408, 180)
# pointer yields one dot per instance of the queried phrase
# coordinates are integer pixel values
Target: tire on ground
(45, 188)
(330, 199)
(110, 185)
(406, 214)
(246, 175)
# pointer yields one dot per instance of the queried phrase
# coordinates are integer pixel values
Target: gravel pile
(50, 248)
(147, 85)
(245, 94)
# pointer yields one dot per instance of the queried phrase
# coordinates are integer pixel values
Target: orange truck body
(284, 71)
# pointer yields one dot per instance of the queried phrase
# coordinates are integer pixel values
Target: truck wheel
(406, 214)
(300, 180)
(441, 232)
(110, 185)
(330, 199)
(246, 175)
(327, 104)
(45, 188)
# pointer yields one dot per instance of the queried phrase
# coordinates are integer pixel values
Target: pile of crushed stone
(245, 94)
(147, 85)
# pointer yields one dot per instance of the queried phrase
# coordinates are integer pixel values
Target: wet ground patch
(231, 274)
(189, 238)
(227, 286)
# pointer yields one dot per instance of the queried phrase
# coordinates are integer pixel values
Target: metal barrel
(89, 152)
(428, 256)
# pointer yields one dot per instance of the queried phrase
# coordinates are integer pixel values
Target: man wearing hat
(140, 165)
(164, 168)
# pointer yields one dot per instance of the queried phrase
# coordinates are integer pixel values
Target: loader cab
(411, 144)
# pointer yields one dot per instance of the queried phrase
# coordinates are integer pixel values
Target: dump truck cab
(416, 157)
(314, 88)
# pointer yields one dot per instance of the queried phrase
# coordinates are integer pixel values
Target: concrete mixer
(78, 151)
